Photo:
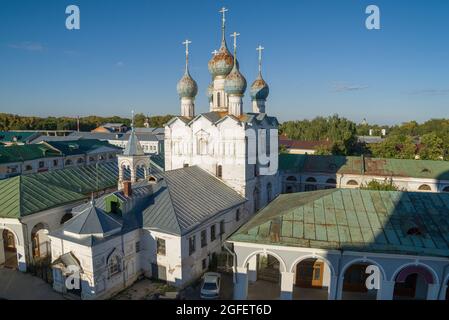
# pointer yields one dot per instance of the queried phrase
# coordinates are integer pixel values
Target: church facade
(220, 168)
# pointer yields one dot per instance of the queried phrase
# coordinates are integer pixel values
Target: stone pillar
(332, 290)
(386, 290)
(241, 285)
(252, 269)
(287, 279)
(432, 291)
(443, 292)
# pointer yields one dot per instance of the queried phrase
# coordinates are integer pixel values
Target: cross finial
(235, 35)
(132, 121)
(260, 48)
(215, 52)
(223, 20)
(186, 43)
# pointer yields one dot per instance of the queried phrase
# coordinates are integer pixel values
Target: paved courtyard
(16, 285)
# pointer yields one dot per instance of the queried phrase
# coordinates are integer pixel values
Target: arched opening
(66, 218)
(354, 283)
(310, 184)
(8, 249)
(424, 187)
(412, 283)
(141, 172)
(352, 183)
(269, 193)
(219, 171)
(126, 173)
(256, 200)
(312, 280)
(264, 277)
(289, 189)
(40, 241)
(331, 183)
(114, 265)
(446, 189)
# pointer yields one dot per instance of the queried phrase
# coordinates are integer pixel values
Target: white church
(169, 225)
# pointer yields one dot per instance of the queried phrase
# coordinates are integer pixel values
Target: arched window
(218, 100)
(269, 192)
(352, 183)
(114, 265)
(68, 162)
(311, 179)
(446, 189)
(424, 187)
(291, 178)
(219, 171)
(310, 184)
(202, 146)
(331, 181)
(256, 199)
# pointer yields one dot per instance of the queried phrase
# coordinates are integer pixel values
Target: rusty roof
(425, 169)
(352, 219)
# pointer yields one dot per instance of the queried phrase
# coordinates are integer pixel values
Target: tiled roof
(26, 152)
(133, 147)
(352, 219)
(297, 163)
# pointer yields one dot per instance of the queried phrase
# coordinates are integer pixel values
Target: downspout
(234, 263)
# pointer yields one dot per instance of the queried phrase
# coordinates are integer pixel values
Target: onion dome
(235, 83)
(222, 62)
(259, 89)
(187, 87)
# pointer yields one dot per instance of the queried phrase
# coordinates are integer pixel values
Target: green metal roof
(352, 219)
(23, 195)
(20, 153)
(20, 136)
(297, 163)
(81, 146)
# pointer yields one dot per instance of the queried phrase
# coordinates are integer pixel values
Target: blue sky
(319, 58)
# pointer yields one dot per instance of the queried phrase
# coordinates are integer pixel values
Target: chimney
(127, 189)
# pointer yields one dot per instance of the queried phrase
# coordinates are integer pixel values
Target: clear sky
(319, 58)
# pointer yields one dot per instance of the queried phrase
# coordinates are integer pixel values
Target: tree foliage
(380, 186)
(394, 146)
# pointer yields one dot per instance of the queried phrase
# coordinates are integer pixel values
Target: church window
(114, 265)
(186, 165)
(55, 163)
(137, 246)
(218, 100)
(28, 167)
(213, 236)
(192, 248)
(222, 227)
(160, 243)
(219, 171)
(41, 164)
(424, 187)
(202, 146)
(203, 238)
(352, 183)
(68, 162)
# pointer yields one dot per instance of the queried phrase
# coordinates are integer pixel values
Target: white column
(443, 292)
(287, 285)
(21, 258)
(332, 290)
(432, 291)
(235, 105)
(386, 290)
(252, 269)
(241, 285)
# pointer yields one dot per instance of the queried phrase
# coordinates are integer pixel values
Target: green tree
(394, 146)
(380, 186)
(432, 147)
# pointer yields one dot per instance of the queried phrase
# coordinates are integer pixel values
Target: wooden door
(309, 274)
(317, 276)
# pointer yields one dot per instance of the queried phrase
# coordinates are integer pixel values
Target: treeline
(409, 140)
(16, 122)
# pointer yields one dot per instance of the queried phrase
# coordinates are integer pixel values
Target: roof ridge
(173, 207)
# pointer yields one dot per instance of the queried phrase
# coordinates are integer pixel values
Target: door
(309, 274)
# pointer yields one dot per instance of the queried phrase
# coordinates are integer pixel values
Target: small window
(41, 164)
(212, 233)
(222, 227)
(204, 264)
(203, 238)
(186, 165)
(68, 162)
(352, 183)
(137, 246)
(219, 171)
(160, 246)
(192, 248)
(55, 163)
(80, 160)
(424, 187)
(237, 215)
(28, 168)
(114, 266)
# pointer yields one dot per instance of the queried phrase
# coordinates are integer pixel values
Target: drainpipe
(234, 263)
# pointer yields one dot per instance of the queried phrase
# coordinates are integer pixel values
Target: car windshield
(209, 286)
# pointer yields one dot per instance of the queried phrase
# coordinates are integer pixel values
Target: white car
(210, 288)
